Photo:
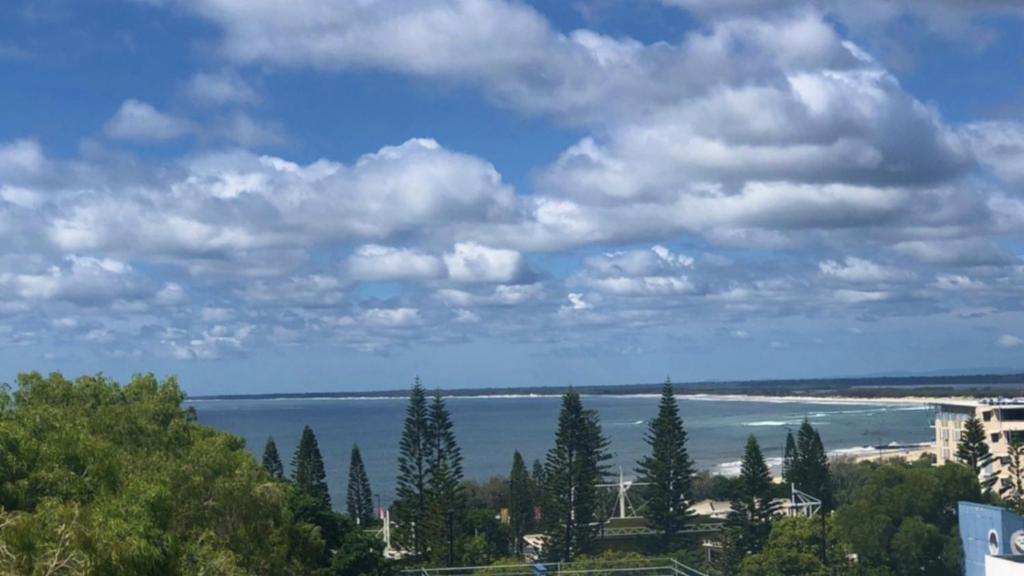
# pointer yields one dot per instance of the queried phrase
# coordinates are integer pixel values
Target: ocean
(490, 428)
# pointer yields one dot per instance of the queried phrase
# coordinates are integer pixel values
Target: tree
(902, 517)
(749, 522)
(789, 457)
(668, 471)
(574, 467)
(810, 471)
(272, 460)
(414, 457)
(794, 549)
(973, 450)
(308, 468)
(520, 500)
(1012, 490)
(446, 497)
(102, 478)
(359, 499)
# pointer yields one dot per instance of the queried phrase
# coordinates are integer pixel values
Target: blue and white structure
(993, 540)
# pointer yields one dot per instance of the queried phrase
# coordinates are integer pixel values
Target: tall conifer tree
(447, 500)
(1012, 490)
(272, 460)
(749, 523)
(810, 470)
(308, 469)
(669, 472)
(520, 502)
(359, 499)
(574, 467)
(412, 488)
(789, 457)
(973, 450)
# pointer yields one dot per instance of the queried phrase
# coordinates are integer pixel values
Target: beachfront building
(1002, 418)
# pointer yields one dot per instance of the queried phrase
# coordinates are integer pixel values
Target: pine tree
(520, 502)
(1013, 485)
(538, 471)
(412, 489)
(538, 491)
(359, 500)
(271, 459)
(789, 457)
(447, 501)
(574, 467)
(810, 470)
(749, 521)
(308, 469)
(669, 472)
(817, 462)
(974, 451)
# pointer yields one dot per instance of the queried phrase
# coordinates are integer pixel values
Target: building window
(995, 437)
(987, 415)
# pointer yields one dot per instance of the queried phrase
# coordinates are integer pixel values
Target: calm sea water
(490, 429)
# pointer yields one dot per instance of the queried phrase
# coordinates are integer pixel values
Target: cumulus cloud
(237, 201)
(472, 262)
(859, 270)
(766, 146)
(220, 88)
(21, 158)
(1010, 341)
(374, 262)
(136, 120)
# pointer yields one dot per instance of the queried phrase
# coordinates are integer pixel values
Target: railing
(649, 567)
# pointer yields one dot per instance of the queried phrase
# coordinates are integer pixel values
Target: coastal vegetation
(100, 478)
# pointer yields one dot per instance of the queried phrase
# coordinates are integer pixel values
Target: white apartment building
(1002, 418)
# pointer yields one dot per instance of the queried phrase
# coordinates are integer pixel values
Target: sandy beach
(839, 400)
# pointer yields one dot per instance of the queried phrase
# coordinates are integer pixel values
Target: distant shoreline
(863, 389)
(697, 397)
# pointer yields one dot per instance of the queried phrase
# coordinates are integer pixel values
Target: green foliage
(789, 456)
(749, 522)
(415, 454)
(668, 471)
(308, 468)
(272, 460)
(708, 486)
(794, 548)
(359, 499)
(446, 500)
(575, 465)
(810, 470)
(359, 554)
(96, 478)
(520, 503)
(973, 450)
(904, 515)
(1012, 490)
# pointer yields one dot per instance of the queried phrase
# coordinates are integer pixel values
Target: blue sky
(263, 196)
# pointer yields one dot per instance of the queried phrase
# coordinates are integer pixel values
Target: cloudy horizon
(343, 196)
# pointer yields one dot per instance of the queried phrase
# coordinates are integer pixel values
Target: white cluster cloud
(374, 262)
(136, 120)
(220, 88)
(767, 135)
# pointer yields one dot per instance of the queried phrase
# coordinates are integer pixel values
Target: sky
(263, 196)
